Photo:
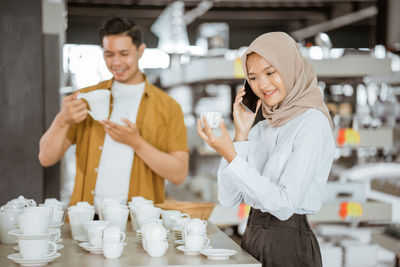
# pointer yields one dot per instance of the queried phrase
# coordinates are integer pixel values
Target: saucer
(217, 253)
(88, 247)
(187, 251)
(179, 242)
(59, 246)
(18, 235)
(17, 258)
(81, 238)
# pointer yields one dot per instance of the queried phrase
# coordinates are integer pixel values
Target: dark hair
(121, 26)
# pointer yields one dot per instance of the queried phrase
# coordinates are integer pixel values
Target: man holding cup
(143, 141)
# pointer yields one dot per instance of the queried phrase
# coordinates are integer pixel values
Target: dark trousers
(277, 243)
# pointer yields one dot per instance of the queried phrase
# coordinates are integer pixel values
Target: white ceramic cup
(113, 234)
(77, 216)
(42, 210)
(170, 216)
(95, 232)
(213, 118)
(196, 227)
(196, 242)
(8, 219)
(33, 223)
(154, 231)
(146, 213)
(117, 217)
(112, 250)
(156, 248)
(99, 103)
(36, 248)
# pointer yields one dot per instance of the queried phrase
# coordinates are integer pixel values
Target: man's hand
(73, 110)
(222, 144)
(128, 135)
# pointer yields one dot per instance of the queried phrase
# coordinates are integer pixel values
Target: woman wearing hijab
(281, 165)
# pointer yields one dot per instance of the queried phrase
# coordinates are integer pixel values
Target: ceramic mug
(99, 103)
(213, 118)
(36, 248)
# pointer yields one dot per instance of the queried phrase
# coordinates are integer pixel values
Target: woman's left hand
(222, 144)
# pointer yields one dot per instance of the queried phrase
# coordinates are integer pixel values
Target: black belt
(257, 217)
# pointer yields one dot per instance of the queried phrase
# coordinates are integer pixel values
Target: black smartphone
(249, 99)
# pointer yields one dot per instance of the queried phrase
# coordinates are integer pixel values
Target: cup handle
(91, 114)
(122, 234)
(207, 242)
(166, 245)
(52, 252)
(82, 96)
(204, 222)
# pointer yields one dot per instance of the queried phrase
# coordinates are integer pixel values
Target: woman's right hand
(243, 118)
(73, 110)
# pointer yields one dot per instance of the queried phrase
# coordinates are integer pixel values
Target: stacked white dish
(195, 237)
(35, 238)
(154, 239)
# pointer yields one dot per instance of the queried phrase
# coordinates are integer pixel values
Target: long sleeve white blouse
(280, 170)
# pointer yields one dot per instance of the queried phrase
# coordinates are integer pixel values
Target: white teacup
(95, 232)
(196, 242)
(117, 217)
(33, 223)
(170, 216)
(213, 118)
(8, 219)
(78, 216)
(146, 214)
(99, 103)
(113, 234)
(36, 248)
(156, 248)
(154, 231)
(42, 210)
(112, 250)
(196, 227)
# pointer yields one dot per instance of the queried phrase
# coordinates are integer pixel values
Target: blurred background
(50, 48)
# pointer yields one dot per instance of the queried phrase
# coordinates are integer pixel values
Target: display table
(134, 255)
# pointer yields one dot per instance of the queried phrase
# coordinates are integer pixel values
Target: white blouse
(281, 170)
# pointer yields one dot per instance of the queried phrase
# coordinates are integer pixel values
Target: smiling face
(121, 56)
(265, 80)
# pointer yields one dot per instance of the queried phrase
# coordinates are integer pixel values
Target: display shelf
(220, 69)
(372, 211)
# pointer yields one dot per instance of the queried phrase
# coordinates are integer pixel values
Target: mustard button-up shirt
(160, 122)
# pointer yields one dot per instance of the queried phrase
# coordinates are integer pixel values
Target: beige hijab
(297, 74)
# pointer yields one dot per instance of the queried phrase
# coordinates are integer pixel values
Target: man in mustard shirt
(143, 142)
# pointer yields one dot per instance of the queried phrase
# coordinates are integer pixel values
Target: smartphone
(249, 99)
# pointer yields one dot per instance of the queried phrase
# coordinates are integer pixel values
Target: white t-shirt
(281, 170)
(116, 159)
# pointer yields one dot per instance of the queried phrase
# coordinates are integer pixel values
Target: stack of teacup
(78, 214)
(195, 234)
(154, 239)
(113, 242)
(142, 211)
(114, 212)
(175, 220)
(35, 239)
